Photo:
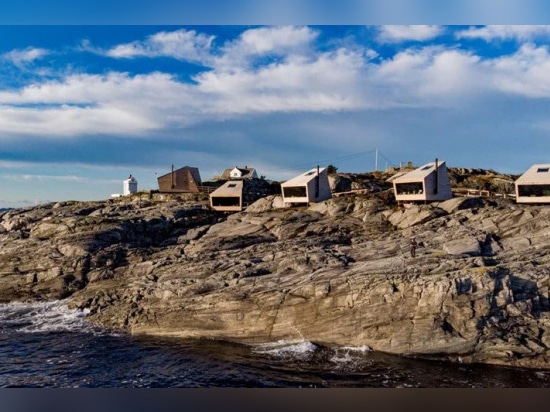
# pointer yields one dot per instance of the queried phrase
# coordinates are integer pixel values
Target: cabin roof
(536, 174)
(419, 174)
(229, 189)
(303, 178)
(194, 172)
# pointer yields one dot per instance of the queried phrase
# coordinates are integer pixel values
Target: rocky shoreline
(337, 273)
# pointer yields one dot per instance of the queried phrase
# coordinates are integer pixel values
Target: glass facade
(226, 201)
(413, 188)
(533, 190)
(294, 191)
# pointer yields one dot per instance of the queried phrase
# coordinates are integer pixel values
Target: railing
(207, 189)
(472, 192)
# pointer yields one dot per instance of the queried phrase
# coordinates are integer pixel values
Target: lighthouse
(129, 185)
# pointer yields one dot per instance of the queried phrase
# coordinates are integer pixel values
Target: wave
(285, 348)
(39, 317)
(349, 354)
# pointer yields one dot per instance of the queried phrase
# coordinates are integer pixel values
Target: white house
(533, 186)
(309, 187)
(426, 183)
(240, 173)
(129, 185)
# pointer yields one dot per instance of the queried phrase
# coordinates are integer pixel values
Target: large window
(414, 188)
(534, 190)
(294, 191)
(226, 201)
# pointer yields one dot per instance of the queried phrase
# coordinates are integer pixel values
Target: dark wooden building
(184, 180)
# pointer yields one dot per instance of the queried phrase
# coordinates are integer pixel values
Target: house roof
(420, 173)
(194, 172)
(246, 172)
(303, 178)
(229, 189)
(538, 173)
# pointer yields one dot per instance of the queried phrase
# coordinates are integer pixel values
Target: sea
(47, 345)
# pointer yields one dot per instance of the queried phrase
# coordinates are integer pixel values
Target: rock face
(337, 273)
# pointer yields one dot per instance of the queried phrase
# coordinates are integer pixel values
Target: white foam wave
(53, 316)
(285, 348)
(349, 354)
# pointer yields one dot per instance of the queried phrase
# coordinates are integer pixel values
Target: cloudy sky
(82, 107)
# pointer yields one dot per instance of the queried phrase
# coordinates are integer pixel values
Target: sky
(82, 106)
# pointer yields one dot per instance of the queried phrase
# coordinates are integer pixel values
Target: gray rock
(336, 273)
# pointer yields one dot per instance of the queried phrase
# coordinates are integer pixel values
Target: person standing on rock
(413, 245)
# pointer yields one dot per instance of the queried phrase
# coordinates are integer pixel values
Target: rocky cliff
(335, 273)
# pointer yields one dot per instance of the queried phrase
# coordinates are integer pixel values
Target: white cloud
(197, 47)
(278, 41)
(525, 73)
(442, 76)
(44, 178)
(396, 34)
(180, 44)
(505, 32)
(429, 76)
(327, 83)
(115, 104)
(300, 80)
(120, 104)
(21, 58)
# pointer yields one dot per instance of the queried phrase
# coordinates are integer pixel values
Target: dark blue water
(47, 345)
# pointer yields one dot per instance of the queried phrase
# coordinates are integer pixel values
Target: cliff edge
(337, 273)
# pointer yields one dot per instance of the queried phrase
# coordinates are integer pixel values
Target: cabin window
(309, 173)
(543, 169)
(534, 190)
(232, 185)
(413, 188)
(226, 201)
(426, 167)
(294, 191)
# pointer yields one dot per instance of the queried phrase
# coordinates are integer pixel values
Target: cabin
(236, 195)
(228, 197)
(184, 180)
(309, 187)
(533, 186)
(426, 183)
(239, 173)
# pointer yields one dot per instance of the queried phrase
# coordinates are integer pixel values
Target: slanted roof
(246, 172)
(229, 189)
(303, 178)
(536, 174)
(194, 172)
(419, 174)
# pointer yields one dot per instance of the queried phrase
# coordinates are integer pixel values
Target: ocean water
(46, 345)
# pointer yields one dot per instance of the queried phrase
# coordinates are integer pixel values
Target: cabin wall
(444, 191)
(183, 182)
(324, 189)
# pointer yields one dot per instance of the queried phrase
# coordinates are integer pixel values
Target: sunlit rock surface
(335, 273)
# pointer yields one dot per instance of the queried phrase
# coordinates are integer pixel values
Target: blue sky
(83, 106)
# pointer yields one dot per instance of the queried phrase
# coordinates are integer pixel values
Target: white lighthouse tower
(129, 185)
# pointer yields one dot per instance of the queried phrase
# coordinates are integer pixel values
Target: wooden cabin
(426, 183)
(309, 187)
(533, 186)
(236, 195)
(184, 180)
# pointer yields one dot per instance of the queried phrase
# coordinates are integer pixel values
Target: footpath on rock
(337, 273)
